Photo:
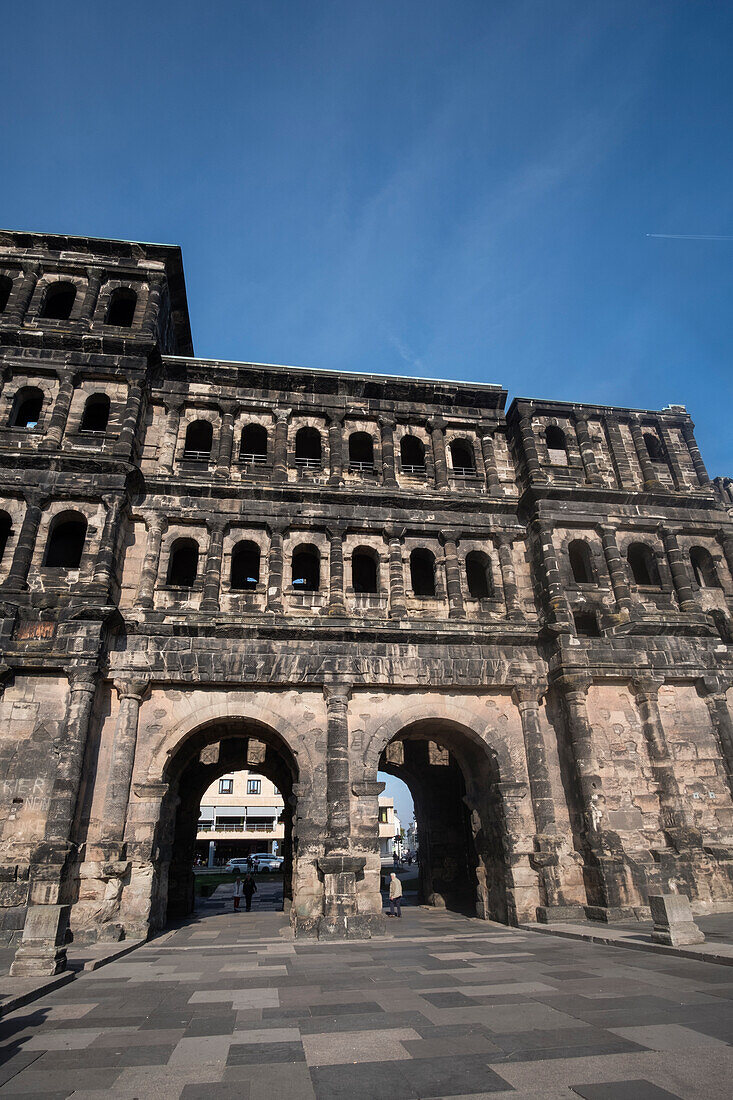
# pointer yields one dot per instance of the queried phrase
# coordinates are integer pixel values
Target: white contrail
(690, 236)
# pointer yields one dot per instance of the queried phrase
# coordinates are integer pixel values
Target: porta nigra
(206, 566)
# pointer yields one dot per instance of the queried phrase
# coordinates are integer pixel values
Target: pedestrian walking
(249, 886)
(395, 896)
(237, 891)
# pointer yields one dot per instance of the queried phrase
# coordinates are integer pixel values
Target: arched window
(96, 413)
(121, 308)
(703, 567)
(412, 455)
(581, 562)
(199, 437)
(253, 444)
(66, 541)
(59, 301)
(6, 285)
(308, 448)
(245, 574)
(364, 571)
(306, 569)
(26, 410)
(462, 457)
(557, 444)
(6, 527)
(361, 451)
(643, 565)
(654, 447)
(183, 563)
(422, 572)
(478, 575)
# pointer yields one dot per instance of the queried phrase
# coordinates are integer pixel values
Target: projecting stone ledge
(674, 924)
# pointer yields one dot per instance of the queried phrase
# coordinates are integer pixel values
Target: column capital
(335, 531)
(335, 416)
(228, 408)
(394, 534)
(665, 531)
(32, 267)
(156, 522)
(503, 538)
(573, 682)
(525, 695)
(455, 535)
(218, 524)
(174, 403)
(338, 691)
(277, 527)
(35, 498)
(131, 687)
(386, 421)
(646, 685)
(283, 415)
(83, 678)
(488, 427)
(436, 423)
(713, 685)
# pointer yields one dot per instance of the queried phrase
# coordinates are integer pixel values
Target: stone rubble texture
(566, 731)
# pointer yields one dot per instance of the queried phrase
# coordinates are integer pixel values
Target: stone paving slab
(224, 1006)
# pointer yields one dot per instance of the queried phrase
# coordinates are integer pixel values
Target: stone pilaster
(616, 570)
(678, 478)
(126, 439)
(212, 573)
(386, 427)
(59, 415)
(678, 569)
(152, 306)
(336, 448)
(397, 606)
(103, 566)
(648, 473)
(275, 567)
(130, 692)
(529, 447)
(94, 285)
(167, 453)
(488, 451)
(714, 691)
(558, 610)
(24, 294)
(226, 440)
(619, 454)
(587, 454)
(17, 577)
(65, 791)
(149, 573)
(453, 575)
(336, 604)
(436, 426)
(726, 542)
(688, 432)
(504, 544)
(280, 446)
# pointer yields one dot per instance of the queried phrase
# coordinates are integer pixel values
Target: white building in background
(241, 813)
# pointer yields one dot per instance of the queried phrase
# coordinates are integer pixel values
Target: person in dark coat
(249, 887)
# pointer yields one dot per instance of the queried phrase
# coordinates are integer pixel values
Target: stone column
(24, 293)
(397, 606)
(337, 766)
(60, 414)
(697, 459)
(212, 573)
(678, 478)
(529, 448)
(616, 569)
(104, 564)
(336, 605)
(453, 575)
(493, 481)
(726, 541)
(17, 577)
(275, 571)
(386, 427)
(280, 447)
(226, 440)
(94, 283)
(587, 454)
(436, 427)
(558, 608)
(167, 453)
(149, 572)
(126, 439)
(620, 458)
(336, 448)
(678, 568)
(675, 823)
(713, 691)
(648, 473)
(65, 791)
(504, 544)
(152, 306)
(117, 794)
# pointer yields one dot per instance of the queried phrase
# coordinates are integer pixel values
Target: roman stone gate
(524, 613)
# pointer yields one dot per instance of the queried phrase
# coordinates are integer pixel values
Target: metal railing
(308, 463)
(463, 471)
(416, 471)
(248, 827)
(253, 460)
(362, 467)
(196, 456)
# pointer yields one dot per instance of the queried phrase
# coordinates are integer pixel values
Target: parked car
(267, 863)
(240, 863)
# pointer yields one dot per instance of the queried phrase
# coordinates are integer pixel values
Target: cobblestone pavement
(228, 1005)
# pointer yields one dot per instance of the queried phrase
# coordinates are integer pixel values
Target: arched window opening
(66, 541)
(412, 455)
(462, 458)
(581, 562)
(59, 301)
(253, 445)
(199, 437)
(643, 565)
(6, 285)
(361, 451)
(557, 445)
(703, 567)
(308, 448)
(245, 574)
(586, 624)
(364, 571)
(306, 569)
(96, 413)
(653, 447)
(422, 572)
(478, 575)
(121, 308)
(183, 563)
(6, 527)
(26, 411)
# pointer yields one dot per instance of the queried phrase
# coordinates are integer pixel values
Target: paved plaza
(228, 1005)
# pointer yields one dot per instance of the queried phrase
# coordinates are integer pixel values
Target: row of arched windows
(643, 565)
(60, 296)
(65, 543)
(556, 440)
(27, 406)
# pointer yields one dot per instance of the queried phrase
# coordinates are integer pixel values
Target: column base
(607, 914)
(358, 926)
(549, 914)
(42, 949)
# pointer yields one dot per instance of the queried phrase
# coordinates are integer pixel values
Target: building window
(254, 786)
(412, 455)
(183, 563)
(383, 815)
(253, 445)
(653, 447)
(643, 565)
(59, 301)
(364, 571)
(422, 572)
(581, 563)
(308, 448)
(306, 569)
(226, 786)
(245, 573)
(199, 438)
(121, 308)
(66, 541)
(478, 575)
(96, 414)
(703, 567)
(361, 451)
(6, 285)
(26, 410)
(462, 458)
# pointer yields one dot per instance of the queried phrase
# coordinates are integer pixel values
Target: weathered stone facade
(212, 565)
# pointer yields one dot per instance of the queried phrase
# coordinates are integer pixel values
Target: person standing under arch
(249, 887)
